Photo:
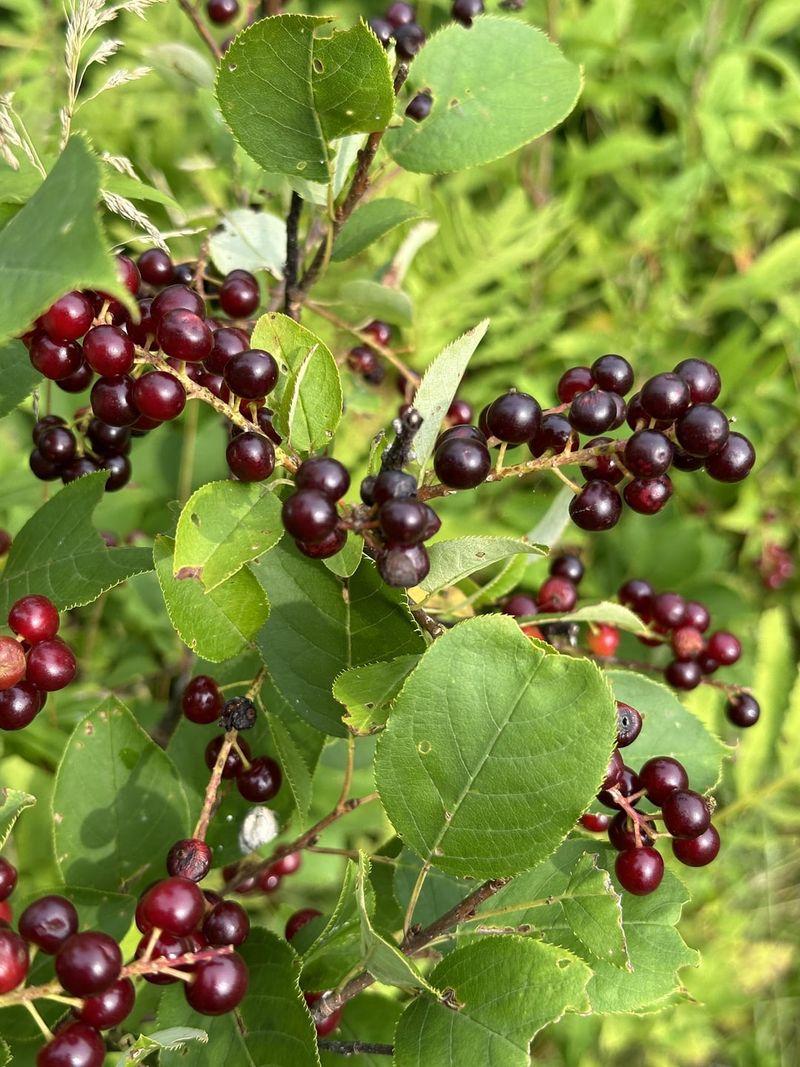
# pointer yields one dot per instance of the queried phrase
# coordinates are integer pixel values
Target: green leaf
(453, 560)
(18, 378)
(670, 729)
(549, 529)
(309, 395)
(217, 624)
(117, 798)
(569, 900)
(286, 94)
(380, 957)
(370, 222)
(439, 893)
(606, 611)
(113, 181)
(438, 388)
(655, 948)
(5, 1053)
(367, 1018)
(12, 804)
(223, 526)
(497, 794)
(55, 244)
(379, 301)
(250, 240)
(331, 949)
(177, 1037)
(297, 746)
(480, 113)
(368, 691)
(346, 151)
(317, 618)
(271, 1028)
(348, 559)
(60, 554)
(508, 988)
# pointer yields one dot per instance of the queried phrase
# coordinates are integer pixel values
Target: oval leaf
(370, 222)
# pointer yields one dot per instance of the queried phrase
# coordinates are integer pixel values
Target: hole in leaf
(424, 748)
(232, 67)
(319, 66)
(455, 102)
(563, 963)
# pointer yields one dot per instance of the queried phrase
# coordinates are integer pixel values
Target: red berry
(184, 335)
(222, 11)
(233, 764)
(88, 963)
(288, 864)
(296, 922)
(251, 374)
(686, 813)
(156, 267)
(6, 913)
(261, 782)
(51, 665)
(176, 296)
(595, 822)
(48, 923)
(34, 618)
(55, 360)
(112, 400)
(520, 605)
(639, 870)
(13, 960)
(226, 924)
(109, 350)
(661, 776)
(74, 1045)
(603, 640)
(326, 548)
(573, 382)
(159, 396)
(329, 1024)
(129, 274)
(189, 859)
(110, 1008)
(174, 905)
(218, 986)
(69, 318)
(167, 947)
(8, 878)
(12, 662)
(202, 701)
(556, 595)
(724, 648)
(697, 851)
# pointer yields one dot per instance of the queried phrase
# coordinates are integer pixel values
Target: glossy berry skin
(686, 813)
(326, 548)
(109, 350)
(202, 701)
(185, 336)
(400, 13)
(261, 782)
(604, 466)
(622, 836)
(12, 663)
(296, 922)
(156, 267)
(603, 640)
(250, 457)
(614, 772)
(724, 647)
(51, 665)
(597, 507)
(74, 1045)
(110, 1008)
(404, 566)
(595, 822)
(77, 468)
(703, 430)
(593, 412)
(88, 963)
(175, 905)
(555, 433)
(112, 400)
(327, 476)
(55, 360)
(108, 440)
(239, 294)
(419, 106)
(668, 610)
(120, 470)
(221, 12)
(556, 595)
(648, 496)
(381, 332)
(190, 859)
(696, 615)
(572, 382)
(13, 960)
(128, 274)
(176, 296)
(569, 567)
(392, 485)
(48, 923)
(665, 396)
(404, 522)
(226, 924)
(68, 319)
(19, 706)
(613, 373)
(251, 374)
(167, 947)
(34, 618)
(219, 985)
(409, 40)
(702, 378)
(639, 870)
(233, 764)
(57, 444)
(159, 396)
(309, 516)
(464, 11)
(734, 461)
(648, 453)
(461, 463)
(8, 878)
(514, 418)
(683, 674)
(365, 362)
(520, 605)
(697, 851)
(743, 710)
(229, 341)
(661, 776)
(629, 724)
(628, 784)
(78, 381)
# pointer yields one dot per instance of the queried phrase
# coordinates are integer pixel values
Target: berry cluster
(686, 816)
(33, 664)
(776, 565)
(267, 880)
(684, 623)
(558, 594)
(257, 779)
(145, 369)
(398, 25)
(363, 360)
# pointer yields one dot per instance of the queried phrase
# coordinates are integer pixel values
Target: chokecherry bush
(511, 797)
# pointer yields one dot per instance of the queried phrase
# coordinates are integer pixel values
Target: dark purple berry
(665, 396)
(743, 710)
(57, 445)
(629, 724)
(703, 430)
(54, 359)
(461, 464)
(668, 610)
(724, 647)
(702, 378)
(419, 107)
(229, 341)
(400, 13)
(251, 374)
(697, 851)
(110, 1008)
(221, 12)
(226, 924)
(573, 382)
(233, 764)
(597, 507)
(73, 1045)
(308, 515)
(569, 567)
(156, 267)
(604, 466)
(404, 522)
(683, 674)
(554, 435)
(404, 566)
(464, 11)
(251, 457)
(613, 373)
(108, 350)
(190, 859)
(661, 776)
(325, 548)
(261, 782)
(173, 297)
(68, 319)
(218, 986)
(202, 701)
(514, 418)
(112, 400)
(408, 40)
(734, 461)
(185, 336)
(327, 476)
(686, 813)
(593, 412)
(648, 454)
(382, 29)
(48, 922)
(88, 963)
(159, 396)
(639, 870)
(648, 495)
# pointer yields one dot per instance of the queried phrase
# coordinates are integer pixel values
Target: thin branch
(292, 267)
(197, 21)
(212, 789)
(366, 339)
(356, 1048)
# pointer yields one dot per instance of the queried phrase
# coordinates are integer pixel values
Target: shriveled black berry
(239, 713)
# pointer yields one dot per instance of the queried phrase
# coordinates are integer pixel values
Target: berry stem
(365, 339)
(292, 267)
(412, 900)
(197, 22)
(356, 1048)
(567, 481)
(212, 789)
(47, 1033)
